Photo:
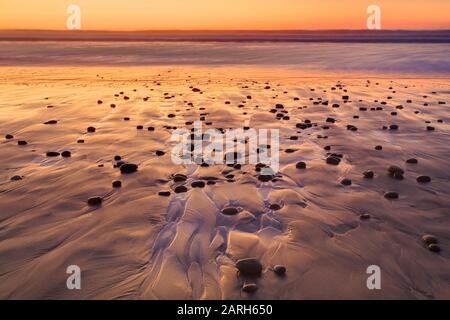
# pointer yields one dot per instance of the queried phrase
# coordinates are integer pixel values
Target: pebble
(128, 168)
(275, 207)
(180, 189)
(265, 177)
(52, 154)
(434, 248)
(378, 148)
(391, 195)
(300, 165)
(368, 174)
(16, 178)
(279, 270)
(412, 161)
(333, 160)
(95, 201)
(117, 184)
(164, 193)
(346, 182)
(51, 122)
(22, 143)
(423, 179)
(230, 211)
(160, 153)
(179, 177)
(66, 154)
(249, 267)
(198, 184)
(396, 172)
(429, 239)
(9, 136)
(249, 287)
(90, 129)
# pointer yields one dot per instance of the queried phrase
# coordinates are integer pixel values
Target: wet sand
(324, 220)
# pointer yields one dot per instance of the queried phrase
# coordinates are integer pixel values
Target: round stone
(117, 184)
(198, 184)
(300, 165)
(180, 189)
(95, 201)
(279, 270)
(249, 267)
(346, 182)
(412, 161)
(66, 154)
(391, 195)
(164, 193)
(249, 287)
(90, 129)
(434, 248)
(423, 179)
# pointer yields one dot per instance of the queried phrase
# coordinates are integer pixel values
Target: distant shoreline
(333, 36)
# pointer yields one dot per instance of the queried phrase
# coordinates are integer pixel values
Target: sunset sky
(223, 14)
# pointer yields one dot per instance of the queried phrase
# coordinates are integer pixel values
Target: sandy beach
(65, 132)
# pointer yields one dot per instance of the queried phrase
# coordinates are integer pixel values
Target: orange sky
(224, 14)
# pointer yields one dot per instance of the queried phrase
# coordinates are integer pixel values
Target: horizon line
(222, 30)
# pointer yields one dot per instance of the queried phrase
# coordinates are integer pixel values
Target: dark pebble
(346, 182)
(230, 211)
(412, 161)
(198, 184)
(434, 248)
(300, 165)
(164, 193)
(333, 160)
(66, 154)
(249, 287)
(368, 174)
(378, 148)
(275, 207)
(117, 184)
(249, 267)
(90, 129)
(16, 178)
(160, 153)
(52, 154)
(128, 168)
(180, 189)
(95, 201)
(391, 195)
(9, 136)
(423, 179)
(265, 177)
(22, 143)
